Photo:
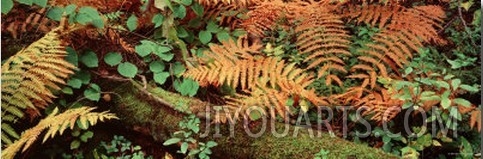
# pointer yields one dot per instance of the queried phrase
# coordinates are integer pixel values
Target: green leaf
(429, 98)
(431, 118)
(212, 27)
(6, 6)
(157, 20)
(476, 18)
(67, 90)
(89, 15)
(163, 52)
(156, 66)
(90, 59)
(188, 87)
(55, 13)
(84, 76)
(162, 49)
(161, 77)
(427, 93)
(198, 9)
(26, 2)
(86, 136)
(407, 105)
(454, 64)
(467, 5)
(304, 105)
(447, 77)
(445, 101)
(462, 102)
(182, 33)
(211, 144)
(70, 9)
(143, 49)
(71, 56)
(184, 147)
(467, 150)
(161, 4)
(132, 22)
(469, 88)
(178, 69)
(42, 3)
(83, 123)
(171, 141)
(455, 83)
(455, 113)
(408, 70)
(127, 69)
(443, 84)
(75, 132)
(74, 83)
(92, 94)
(137, 148)
(165, 56)
(223, 36)
(112, 58)
(186, 2)
(99, 23)
(386, 139)
(179, 11)
(75, 144)
(205, 37)
(255, 115)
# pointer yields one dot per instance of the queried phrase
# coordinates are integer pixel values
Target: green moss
(302, 145)
(137, 108)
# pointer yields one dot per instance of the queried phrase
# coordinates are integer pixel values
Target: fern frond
(234, 2)
(322, 37)
(234, 64)
(55, 123)
(475, 119)
(20, 21)
(29, 76)
(264, 17)
(374, 15)
(225, 67)
(403, 32)
(225, 14)
(266, 98)
(381, 106)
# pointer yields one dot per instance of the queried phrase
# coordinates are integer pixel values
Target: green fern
(55, 123)
(29, 77)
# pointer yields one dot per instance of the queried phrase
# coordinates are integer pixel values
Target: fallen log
(157, 112)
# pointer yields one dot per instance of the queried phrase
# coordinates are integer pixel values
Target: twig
(461, 14)
(145, 83)
(464, 23)
(111, 77)
(447, 25)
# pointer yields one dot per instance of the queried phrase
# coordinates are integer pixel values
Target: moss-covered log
(157, 112)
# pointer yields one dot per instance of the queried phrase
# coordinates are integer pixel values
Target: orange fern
(225, 13)
(323, 37)
(20, 21)
(234, 2)
(475, 119)
(403, 32)
(264, 17)
(381, 105)
(236, 64)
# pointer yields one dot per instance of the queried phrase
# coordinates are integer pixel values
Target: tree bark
(157, 112)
